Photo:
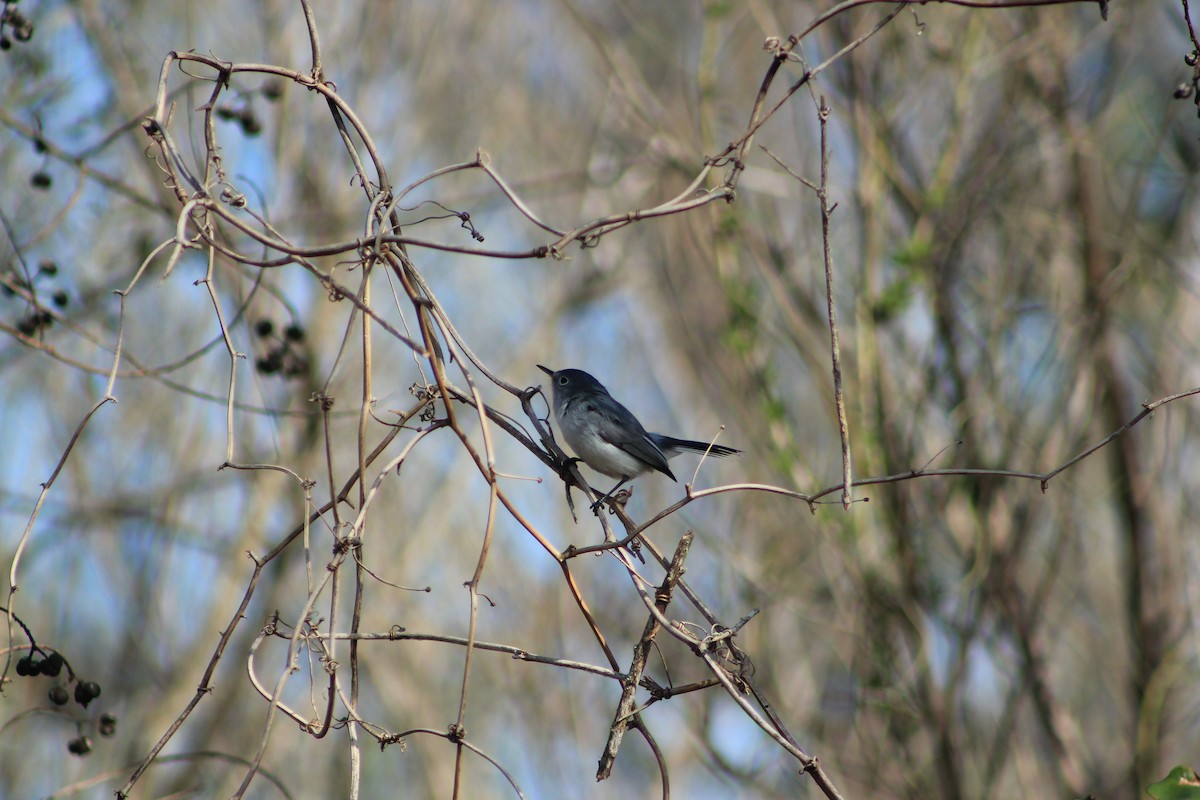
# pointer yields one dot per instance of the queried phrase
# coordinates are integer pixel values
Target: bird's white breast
(579, 433)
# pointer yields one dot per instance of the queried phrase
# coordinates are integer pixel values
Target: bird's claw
(564, 469)
(614, 500)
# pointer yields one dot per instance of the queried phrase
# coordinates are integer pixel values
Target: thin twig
(641, 652)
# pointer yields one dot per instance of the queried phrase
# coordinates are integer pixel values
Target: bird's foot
(618, 499)
(564, 469)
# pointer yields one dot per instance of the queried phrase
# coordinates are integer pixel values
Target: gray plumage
(607, 437)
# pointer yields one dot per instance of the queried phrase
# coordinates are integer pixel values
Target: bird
(606, 435)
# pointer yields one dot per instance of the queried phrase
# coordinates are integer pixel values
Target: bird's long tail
(669, 444)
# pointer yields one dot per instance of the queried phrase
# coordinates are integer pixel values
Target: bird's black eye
(563, 380)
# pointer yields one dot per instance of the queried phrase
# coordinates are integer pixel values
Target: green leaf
(1181, 783)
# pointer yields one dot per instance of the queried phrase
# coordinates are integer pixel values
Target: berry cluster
(14, 23)
(37, 318)
(50, 664)
(242, 115)
(286, 355)
(241, 112)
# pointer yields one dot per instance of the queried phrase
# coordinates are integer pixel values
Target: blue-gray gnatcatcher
(607, 437)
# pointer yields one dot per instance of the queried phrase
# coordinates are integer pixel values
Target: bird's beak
(546, 370)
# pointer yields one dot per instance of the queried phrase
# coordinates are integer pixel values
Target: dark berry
(272, 90)
(60, 299)
(107, 725)
(86, 692)
(52, 665)
(25, 666)
(264, 327)
(40, 179)
(28, 325)
(294, 333)
(79, 747)
(5, 43)
(58, 695)
(296, 367)
(47, 266)
(250, 124)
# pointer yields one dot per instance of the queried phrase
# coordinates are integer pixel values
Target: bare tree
(276, 285)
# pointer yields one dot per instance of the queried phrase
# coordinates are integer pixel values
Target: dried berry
(52, 665)
(79, 747)
(250, 124)
(86, 692)
(269, 364)
(296, 367)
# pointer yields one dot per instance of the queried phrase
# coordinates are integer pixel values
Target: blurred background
(1014, 247)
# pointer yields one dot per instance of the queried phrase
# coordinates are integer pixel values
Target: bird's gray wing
(620, 428)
